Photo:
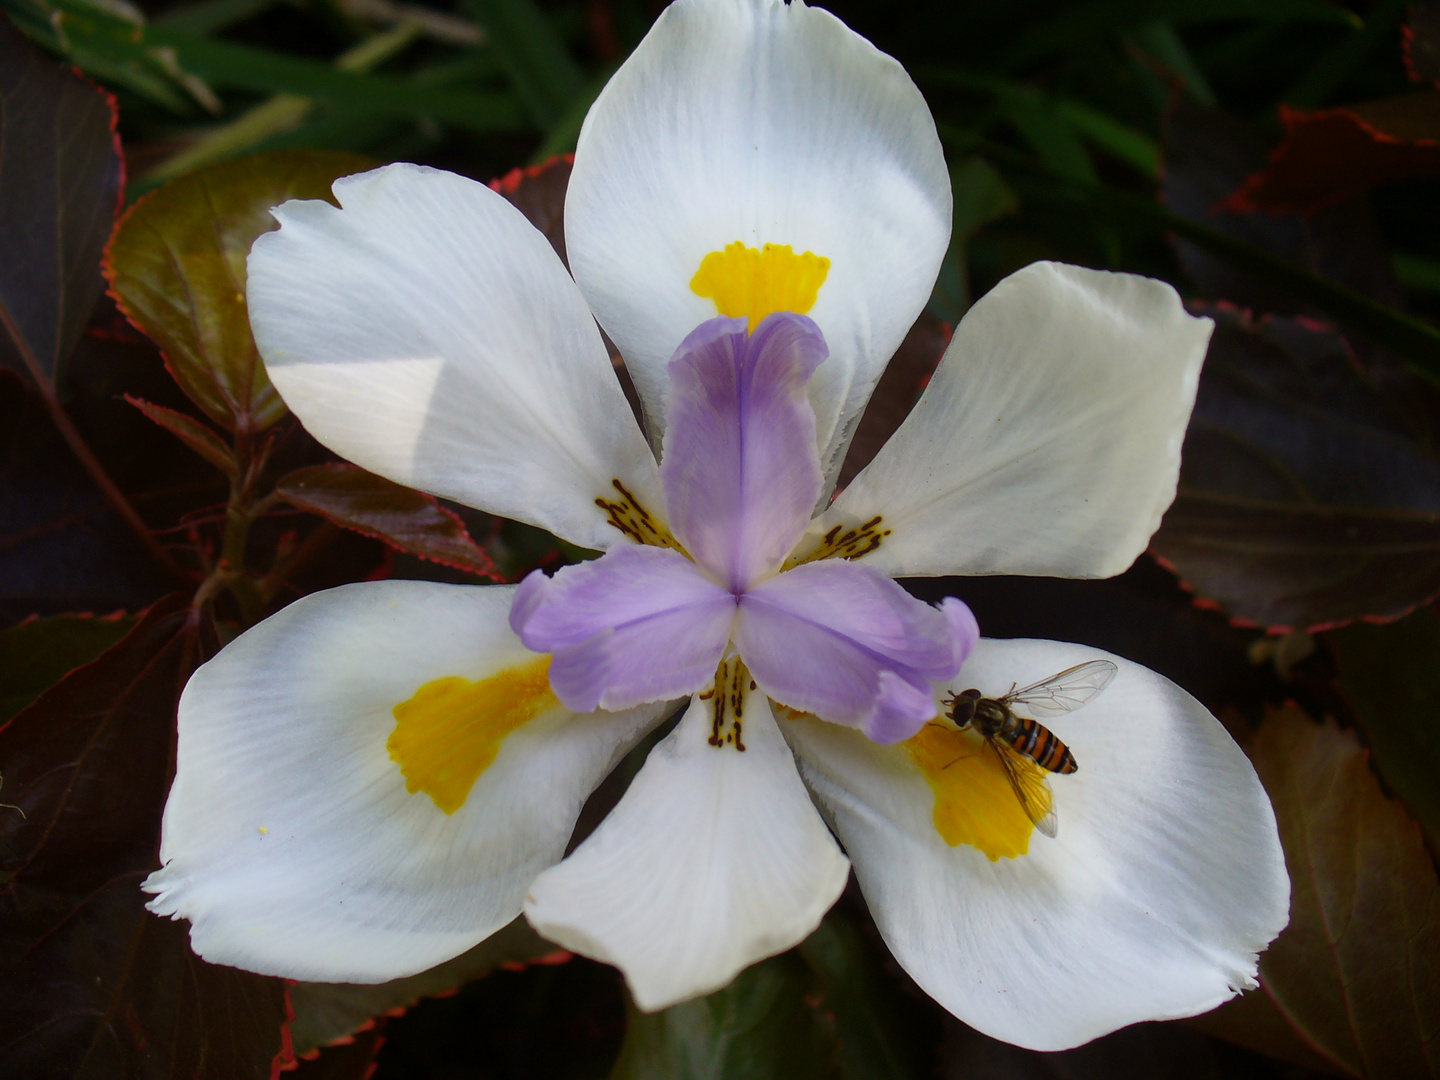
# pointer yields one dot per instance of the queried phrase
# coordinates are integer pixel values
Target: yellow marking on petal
(748, 283)
(449, 732)
(974, 803)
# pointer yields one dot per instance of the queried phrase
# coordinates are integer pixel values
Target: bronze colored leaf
(91, 985)
(192, 433)
(1390, 674)
(326, 1013)
(39, 652)
(1309, 493)
(59, 191)
(176, 267)
(404, 518)
(1354, 974)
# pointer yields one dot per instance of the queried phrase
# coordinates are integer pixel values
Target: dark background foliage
(1278, 161)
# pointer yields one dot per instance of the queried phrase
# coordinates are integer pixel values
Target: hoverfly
(1018, 740)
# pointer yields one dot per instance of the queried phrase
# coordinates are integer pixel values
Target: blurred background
(1277, 161)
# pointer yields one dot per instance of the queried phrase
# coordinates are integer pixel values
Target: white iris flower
(383, 774)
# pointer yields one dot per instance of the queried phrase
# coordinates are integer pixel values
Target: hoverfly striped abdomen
(1041, 745)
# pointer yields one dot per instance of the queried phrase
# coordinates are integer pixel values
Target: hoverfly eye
(964, 710)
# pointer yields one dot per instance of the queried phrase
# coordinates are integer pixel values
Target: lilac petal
(638, 624)
(846, 643)
(740, 468)
(963, 626)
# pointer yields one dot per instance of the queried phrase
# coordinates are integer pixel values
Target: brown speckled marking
(628, 514)
(728, 697)
(843, 543)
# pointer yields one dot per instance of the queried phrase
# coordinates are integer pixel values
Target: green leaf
(1390, 674)
(226, 63)
(544, 75)
(277, 116)
(1337, 63)
(212, 16)
(59, 190)
(1309, 495)
(1354, 972)
(1080, 24)
(761, 1027)
(176, 266)
(1053, 124)
(404, 518)
(92, 986)
(1160, 42)
(876, 1042)
(980, 197)
(107, 42)
(40, 652)
(326, 1012)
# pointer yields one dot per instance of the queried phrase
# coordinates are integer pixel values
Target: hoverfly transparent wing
(1028, 782)
(1064, 691)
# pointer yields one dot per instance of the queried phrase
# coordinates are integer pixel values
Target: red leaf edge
(1205, 603)
(491, 571)
(508, 183)
(551, 959)
(1247, 198)
(285, 1060)
(178, 424)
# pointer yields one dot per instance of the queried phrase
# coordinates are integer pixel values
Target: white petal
(713, 860)
(290, 841)
(428, 332)
(1048, 441)
(754, 121)
(1165, 879)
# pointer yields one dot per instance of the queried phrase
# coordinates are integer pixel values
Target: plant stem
(91, 464)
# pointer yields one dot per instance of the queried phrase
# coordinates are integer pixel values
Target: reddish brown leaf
(1354, 973)
(406, 519)
(1422, 41)
(60, 181)
(538, 192)
(1309, 493)
(192, 433)
(352, 1059)
(176, 267)
(1333, 154)
(326, 1013)
(91, 985)
(896, 392)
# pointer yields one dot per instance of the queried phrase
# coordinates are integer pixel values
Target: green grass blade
(541, 69)
(228, 64)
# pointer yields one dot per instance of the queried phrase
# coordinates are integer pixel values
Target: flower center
(751, 284)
